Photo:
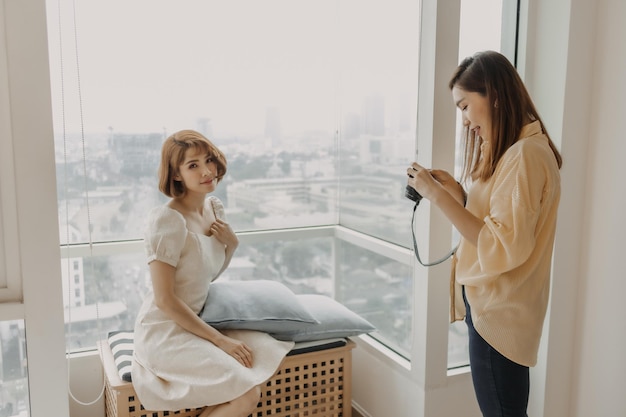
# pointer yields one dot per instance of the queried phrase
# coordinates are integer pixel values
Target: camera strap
(417, 254)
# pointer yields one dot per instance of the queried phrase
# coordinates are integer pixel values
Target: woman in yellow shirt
(507, 221)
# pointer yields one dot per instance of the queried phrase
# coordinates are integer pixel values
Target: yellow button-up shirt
(507, 275)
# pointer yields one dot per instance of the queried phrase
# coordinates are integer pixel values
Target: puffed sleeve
(508, 237)
(165, 236)
(218, 208)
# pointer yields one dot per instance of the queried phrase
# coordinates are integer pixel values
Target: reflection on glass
(13, 370)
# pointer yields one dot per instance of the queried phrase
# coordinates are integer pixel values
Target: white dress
(172, 368)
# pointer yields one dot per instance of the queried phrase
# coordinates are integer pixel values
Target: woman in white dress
(180, 361)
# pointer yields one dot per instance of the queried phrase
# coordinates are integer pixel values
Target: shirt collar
(531, 129)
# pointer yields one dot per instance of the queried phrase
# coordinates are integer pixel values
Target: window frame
(32, 216)
(10, 282)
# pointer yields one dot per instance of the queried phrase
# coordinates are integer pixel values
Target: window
(378, 288)
(378, 95)
(314, 107)
(13, 369)
(474, 38)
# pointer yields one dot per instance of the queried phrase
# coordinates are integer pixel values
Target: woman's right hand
(237, 349)
(224, 233)
(451, 185)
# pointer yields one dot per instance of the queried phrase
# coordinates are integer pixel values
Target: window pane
(110, 289)
(473, 38)
(378, 96)
(13, 370)
(261, 86)
(486, 35)
(104, 294)
(304, 265)
(380, 290)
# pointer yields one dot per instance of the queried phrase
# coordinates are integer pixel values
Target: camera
(411, 194)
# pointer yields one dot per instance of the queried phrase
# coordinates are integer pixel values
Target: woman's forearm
(468, 225)
(165, 298)
(184, 316)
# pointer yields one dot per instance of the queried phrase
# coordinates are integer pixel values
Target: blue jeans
(501, 385)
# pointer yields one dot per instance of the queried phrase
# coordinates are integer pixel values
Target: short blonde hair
(173, 156)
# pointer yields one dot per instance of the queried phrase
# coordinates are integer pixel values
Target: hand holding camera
(410, 192)
(438, 178)
(443, 178)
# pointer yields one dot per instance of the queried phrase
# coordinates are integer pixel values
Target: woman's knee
(248, 401)
(255, 396)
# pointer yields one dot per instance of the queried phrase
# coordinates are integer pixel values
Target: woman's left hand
(224, 234)
(237, 349)
(422, 180)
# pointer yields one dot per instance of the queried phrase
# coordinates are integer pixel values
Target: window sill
(11, 311)
(382, 352)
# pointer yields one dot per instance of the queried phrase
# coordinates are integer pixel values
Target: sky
(149, 65)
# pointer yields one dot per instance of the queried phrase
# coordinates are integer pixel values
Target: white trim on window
(439, 49)
(28, 79)
(508, 43)
(10, 281)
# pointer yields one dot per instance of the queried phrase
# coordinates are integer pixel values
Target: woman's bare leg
(207, 410)
(239, 407)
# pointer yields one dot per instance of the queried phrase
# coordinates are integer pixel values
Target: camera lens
(411, 194)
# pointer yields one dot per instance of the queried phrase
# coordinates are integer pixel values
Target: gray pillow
(334, 320)
(263, 305)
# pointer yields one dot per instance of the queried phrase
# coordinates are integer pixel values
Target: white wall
(577, 75)
(600, 357)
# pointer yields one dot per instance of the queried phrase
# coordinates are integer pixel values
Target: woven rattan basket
(307, 384)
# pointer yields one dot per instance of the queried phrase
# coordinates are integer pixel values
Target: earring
(495, 104)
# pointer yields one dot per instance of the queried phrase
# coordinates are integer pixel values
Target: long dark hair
(491, 75)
